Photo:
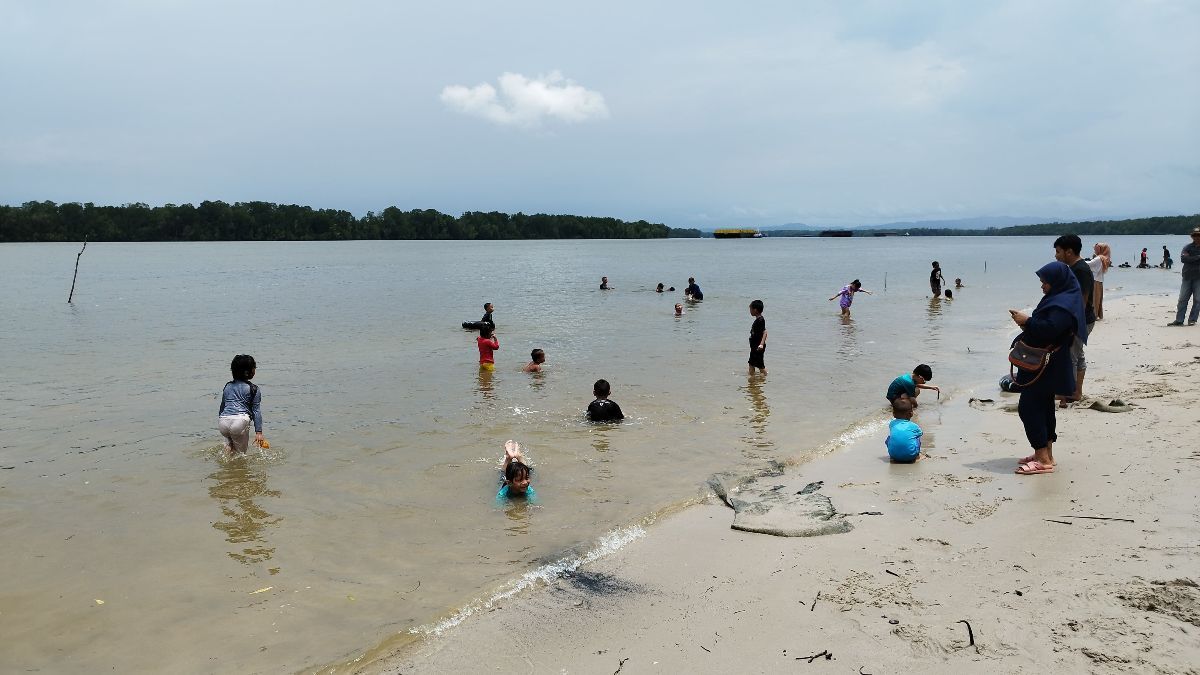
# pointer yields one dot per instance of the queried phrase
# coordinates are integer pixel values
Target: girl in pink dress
(847, 296)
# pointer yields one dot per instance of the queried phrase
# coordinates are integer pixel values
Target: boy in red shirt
(487, 343)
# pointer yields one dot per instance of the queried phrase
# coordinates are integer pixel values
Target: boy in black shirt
(1066, 250)
(758, 338)
(602, 409)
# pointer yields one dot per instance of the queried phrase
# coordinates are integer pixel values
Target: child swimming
(536, 358)
(241, 403)
(678, 309)
(516, 474)
(847, 296)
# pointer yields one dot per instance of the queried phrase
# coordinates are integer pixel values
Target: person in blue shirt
(693, 292)
(904, 436)
(241, 408)
(516, 475)
(909, 386)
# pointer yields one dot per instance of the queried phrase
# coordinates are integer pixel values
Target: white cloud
(524, 101)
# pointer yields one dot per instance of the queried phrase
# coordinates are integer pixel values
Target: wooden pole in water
(76, 276)
(885, 281)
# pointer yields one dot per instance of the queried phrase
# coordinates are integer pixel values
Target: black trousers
(1036, 410)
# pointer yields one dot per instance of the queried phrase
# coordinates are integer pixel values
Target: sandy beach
(1093, 568)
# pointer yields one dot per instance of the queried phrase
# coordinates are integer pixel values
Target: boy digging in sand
(909, 386)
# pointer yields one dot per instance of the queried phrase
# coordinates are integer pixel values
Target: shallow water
(373, 512)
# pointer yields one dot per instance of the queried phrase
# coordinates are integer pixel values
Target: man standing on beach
(1190, 288)
(1066, 250)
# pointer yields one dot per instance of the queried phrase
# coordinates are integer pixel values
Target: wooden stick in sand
(76, 276)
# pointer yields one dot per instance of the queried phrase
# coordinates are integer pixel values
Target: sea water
(130, 544)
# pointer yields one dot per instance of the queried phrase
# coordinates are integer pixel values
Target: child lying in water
(516, 474)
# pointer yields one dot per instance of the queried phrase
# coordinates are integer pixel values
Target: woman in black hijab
(1055, 322)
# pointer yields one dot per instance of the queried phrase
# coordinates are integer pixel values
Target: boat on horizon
(737, 233)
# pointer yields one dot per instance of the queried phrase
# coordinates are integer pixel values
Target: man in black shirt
(1066, 250)
(602, 409)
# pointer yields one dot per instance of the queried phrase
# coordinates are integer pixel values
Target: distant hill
(978, 223)
(1003, 226)
(1154, 225)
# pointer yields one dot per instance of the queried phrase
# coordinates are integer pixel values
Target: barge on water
(737, 233)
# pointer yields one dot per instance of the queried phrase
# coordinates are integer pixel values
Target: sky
(693, 114)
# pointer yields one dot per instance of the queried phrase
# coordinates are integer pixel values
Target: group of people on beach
(1056, 333)
(515, 469)
(1058, 328)
(1144, 260)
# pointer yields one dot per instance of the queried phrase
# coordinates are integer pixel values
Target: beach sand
(960, 538)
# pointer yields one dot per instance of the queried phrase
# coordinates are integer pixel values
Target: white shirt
(1097, 267)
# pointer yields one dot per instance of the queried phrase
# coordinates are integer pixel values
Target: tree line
(264, 221)
(1144, 226)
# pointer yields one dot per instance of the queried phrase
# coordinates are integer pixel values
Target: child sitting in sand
(536, 358)
(847, 296)
(602, 409)
(909, 386)
(516, 474)
(904, 436)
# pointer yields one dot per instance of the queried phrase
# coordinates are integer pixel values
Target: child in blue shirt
(904, 436)
(516, 475)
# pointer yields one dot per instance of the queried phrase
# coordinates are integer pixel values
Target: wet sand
(960, 540)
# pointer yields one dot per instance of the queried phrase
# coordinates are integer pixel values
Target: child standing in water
(241, 404)
(758, 338)
(516, 475)
(487, 342)
(536, 358)
(847, 296)
(936, 280)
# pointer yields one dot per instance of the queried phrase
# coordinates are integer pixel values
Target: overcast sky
(758, 113)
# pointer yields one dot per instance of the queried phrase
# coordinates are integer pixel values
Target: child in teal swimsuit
(516, 475)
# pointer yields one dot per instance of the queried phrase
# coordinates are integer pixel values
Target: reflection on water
(537, 379)
(933, 331)
(517, 512)
(847, 347)
(483, 383)
(238, 484)
(601, 445)
(759, 412)
(935, 307)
